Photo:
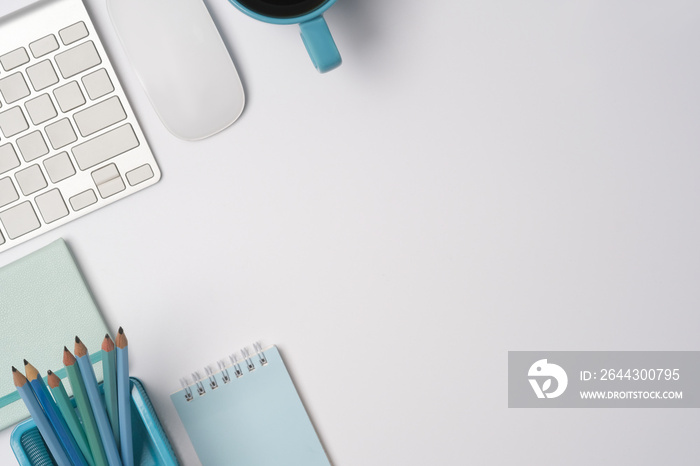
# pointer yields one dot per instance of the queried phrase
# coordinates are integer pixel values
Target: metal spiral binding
(198, 381)
(223, 369)
(186, 386)
(236, 367)
(212, 381)
(248, 361)
(257, 346)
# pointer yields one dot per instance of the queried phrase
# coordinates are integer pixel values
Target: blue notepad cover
(257, 419)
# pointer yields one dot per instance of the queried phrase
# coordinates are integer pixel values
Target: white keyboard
(69, 140)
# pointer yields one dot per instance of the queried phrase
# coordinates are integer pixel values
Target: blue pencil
(109, 371)
(98, 406)
(124, 398)
(54, 415)
(42, 422)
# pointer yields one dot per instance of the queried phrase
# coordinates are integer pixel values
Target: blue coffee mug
(314, 30)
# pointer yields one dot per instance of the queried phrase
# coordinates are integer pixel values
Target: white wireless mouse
(182, 62)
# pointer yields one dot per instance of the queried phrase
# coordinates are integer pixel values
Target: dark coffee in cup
(282, 8)
(314, 31)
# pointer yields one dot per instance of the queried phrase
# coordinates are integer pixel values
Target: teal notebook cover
(256, 419)
(44, 304)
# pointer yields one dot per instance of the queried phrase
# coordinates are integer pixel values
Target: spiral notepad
(247, 411)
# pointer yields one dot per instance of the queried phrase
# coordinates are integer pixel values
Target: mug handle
(320, 44)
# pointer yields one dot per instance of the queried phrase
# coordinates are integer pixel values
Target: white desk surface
(477, 177)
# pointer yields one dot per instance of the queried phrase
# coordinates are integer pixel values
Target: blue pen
(42, 422)
(98, 406)
(124, 398)
(54, 415)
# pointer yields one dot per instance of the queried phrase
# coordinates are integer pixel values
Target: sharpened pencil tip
(30, 371)
(53, 380)
(107, 344)
(65, 349)
(77, 340)
(68, 358)
(26, 363)
(49, 372)
(106, 335)
(18, 378)
(121, 340)
(80, 349)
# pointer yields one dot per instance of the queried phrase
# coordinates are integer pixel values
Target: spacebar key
(105, 146)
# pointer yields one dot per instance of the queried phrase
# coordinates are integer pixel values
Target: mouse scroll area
(182, 63)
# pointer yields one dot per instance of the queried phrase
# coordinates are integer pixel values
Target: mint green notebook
(44, 304)
(253, 416)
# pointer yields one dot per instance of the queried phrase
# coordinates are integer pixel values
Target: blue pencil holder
(151, 446)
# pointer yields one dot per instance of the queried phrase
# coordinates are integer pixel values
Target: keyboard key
(42, 75)
(14, 59)
(69, 96)
(32, 146)
(98, 84)
(73, 33)
(111, 187)
(30, 180)
(139, 175)
(105, 146)
(99, 116)
(43, 46)
(61, 133)
(78, 59)
(105, 174)
(82, 200)
(51, 205)
(12, 122)
(59, 167)
(41, 109)
(8, 193)
(108, 181)
(13, 88)
(19, 220)
(8, 158)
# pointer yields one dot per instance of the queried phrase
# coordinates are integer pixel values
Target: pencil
(98, 406)
(42, 422)
(54, 415)
(81, 399)
(124, 392)
(109, 369)
(69, 415)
